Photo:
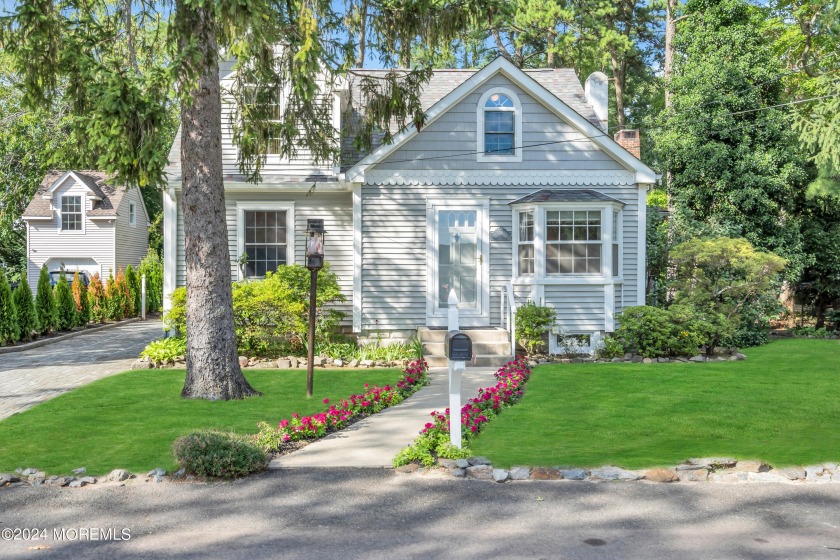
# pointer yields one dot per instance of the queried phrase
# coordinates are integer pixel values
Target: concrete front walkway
(374, 441)
(30, 377)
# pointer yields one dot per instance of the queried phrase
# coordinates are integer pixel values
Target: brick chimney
(629, 140)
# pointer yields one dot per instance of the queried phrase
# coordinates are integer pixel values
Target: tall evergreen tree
(27, 317)
(66, 316)
(133, 283)
(123, 98)
(9, 330)
(45, 302)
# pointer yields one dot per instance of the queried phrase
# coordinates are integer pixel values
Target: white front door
(458, 261)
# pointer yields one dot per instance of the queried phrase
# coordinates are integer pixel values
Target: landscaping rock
(661, 475)
(697, 358)
(751, 466)
(27, 472)
(294, 362)
(462, 463)
(458, 473)
(816, 473)
(698, 475)
(77, 484)
(353, 363)
(338, 363)
(771, 476)
(180, 473)
(478, 461)
(739, 356)
(480, 472)
(243, 361)
(574, 474)
(545, 473)
(157, 472)
(520, 473)
(88, 480)
(284, 364)
(615, 360)
(727, 477)
(7, 478)
(317, 361)
(647, 361)
(36, 474)
(532, 363)
(662, 360)
(712, 462)
(142, 363)
(613, 473)
(637, 359)
(366, 363)
(628, 356)
(118, 475)
(409, 468)
(792, 473)
(501, 475)
(447, 463)
(159, 478)
(80, 470)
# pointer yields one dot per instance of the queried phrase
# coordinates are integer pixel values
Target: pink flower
(326, 401)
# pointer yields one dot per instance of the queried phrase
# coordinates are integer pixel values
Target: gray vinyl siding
(579, 308)
(335, 208)
(453, 135)
(47, 241)
(394, 253)
(132, 242)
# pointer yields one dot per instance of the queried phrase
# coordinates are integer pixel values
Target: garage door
(74, 264)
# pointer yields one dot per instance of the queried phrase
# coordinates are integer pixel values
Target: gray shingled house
(513, 189)
(78, 220)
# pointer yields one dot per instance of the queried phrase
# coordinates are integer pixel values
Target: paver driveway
(33, 376)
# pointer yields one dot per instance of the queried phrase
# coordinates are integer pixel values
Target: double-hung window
(525, 248)
(573, 242)
(71, 213)
(499, 125)
(265, 234)
(267, 103)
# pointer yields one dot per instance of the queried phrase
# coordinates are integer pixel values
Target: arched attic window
(499, 120)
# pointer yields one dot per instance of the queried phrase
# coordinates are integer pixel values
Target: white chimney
(596, 89)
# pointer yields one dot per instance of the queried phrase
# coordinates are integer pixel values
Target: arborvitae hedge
(81, 299)
(45, 302)
(26, 315)
(8, 316)
(66, 317)
(96, 299)
(133, 281)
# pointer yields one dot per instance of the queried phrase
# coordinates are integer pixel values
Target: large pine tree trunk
(213, 371)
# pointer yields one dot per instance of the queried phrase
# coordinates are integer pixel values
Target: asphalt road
(372, 513)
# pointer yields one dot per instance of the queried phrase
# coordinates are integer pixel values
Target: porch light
(314, 262)
(315, 244)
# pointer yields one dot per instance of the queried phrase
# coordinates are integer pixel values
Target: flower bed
(433, 441)
(338, 416)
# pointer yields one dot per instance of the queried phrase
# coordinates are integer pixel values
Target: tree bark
(213, 371)
(619, 68)
(360, 56)
(670, 35)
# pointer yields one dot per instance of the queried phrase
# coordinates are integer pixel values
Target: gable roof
(97, 182)
(564, 100)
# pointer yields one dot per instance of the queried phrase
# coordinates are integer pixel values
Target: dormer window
(499, 127)
(71, 213)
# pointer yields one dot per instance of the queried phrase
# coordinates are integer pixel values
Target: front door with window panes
(460, 252)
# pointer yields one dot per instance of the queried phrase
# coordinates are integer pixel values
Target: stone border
(79, 479)
(708, 469)
(69, 335)
(720, 355)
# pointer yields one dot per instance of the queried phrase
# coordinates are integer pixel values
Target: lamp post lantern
(314, 262)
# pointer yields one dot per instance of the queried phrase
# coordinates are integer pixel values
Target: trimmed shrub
(152, 267)
(66, 316)
(45, 302)
(96, 300)
(532, 322)
(678, 331)
(176, 317)
(25, 307)
(80, 296)
(125, 300)
(113, 300)
(133, 283)
(9, 330)
(218, 454)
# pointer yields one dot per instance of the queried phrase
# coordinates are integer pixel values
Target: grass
(130, 420)
(781, 405)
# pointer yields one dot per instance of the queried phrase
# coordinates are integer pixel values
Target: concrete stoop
(491, 346)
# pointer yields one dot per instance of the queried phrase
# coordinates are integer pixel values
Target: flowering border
(338, 416)
(433, 441)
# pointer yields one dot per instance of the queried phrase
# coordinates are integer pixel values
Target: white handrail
(511, 317)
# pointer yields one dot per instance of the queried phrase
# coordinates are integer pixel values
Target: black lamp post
(314, 262)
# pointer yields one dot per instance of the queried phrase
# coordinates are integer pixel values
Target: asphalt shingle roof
(96, 181)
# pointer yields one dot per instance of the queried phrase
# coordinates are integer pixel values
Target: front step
(491, 346)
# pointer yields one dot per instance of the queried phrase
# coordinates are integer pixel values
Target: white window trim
(241, 207)
(282, 101)
(540, 226)
(132, 214)
(83, 205)
(517, 128)
(595, 338)
(619, 236)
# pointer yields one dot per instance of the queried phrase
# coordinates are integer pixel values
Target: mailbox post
(458, 349)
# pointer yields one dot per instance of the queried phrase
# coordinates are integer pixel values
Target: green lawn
(130, 420)
(781, 405)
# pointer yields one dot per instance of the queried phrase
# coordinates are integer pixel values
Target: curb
(46, 341)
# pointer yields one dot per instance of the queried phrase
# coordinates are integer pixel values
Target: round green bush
(218, 454)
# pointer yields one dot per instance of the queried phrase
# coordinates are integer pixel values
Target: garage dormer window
(71, 213)
(499, 127)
